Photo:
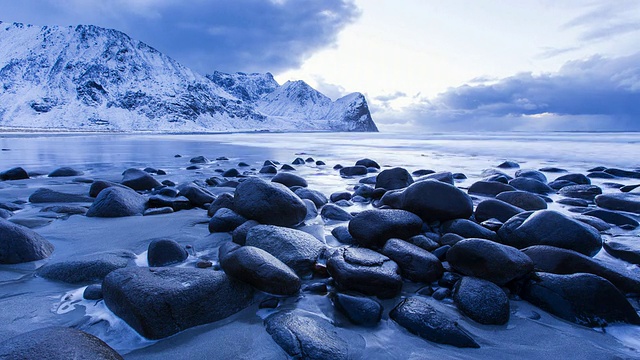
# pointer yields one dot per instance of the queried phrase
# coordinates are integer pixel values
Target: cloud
(606, 19)
(597, 93)
(238, 35)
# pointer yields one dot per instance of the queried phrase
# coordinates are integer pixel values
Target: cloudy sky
(423, 64)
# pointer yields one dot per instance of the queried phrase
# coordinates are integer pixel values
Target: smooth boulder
(482, 301)
(289, 180)
(523, 200)
(164, 252)
(496, 209)
(139, 180)
(268, 203)
(87, 268)
(433, 200)
(45, 195)
(372, 228)
(19, 244)
(117, 202)
(628, 202)
(65, 171)
(358, 309)
(416, 264)
(16, 173)
(392, 179)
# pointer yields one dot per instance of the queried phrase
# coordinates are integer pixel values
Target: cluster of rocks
(481, 248)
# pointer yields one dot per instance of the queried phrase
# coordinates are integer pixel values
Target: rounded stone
(482, 301)
(164, 252)
(372, 228)
(268, 203)
(433, 200)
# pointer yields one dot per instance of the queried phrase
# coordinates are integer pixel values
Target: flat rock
(357, 170)
(628, 202)
(436, 201)
(44, 195)
(612, 217)
(586, 192)
(421, 318)
(531, 185)
(65, 171)
(268, 203)
(625, 248)
(117, 202)
(87, 268)
(482, 301)
(159, 302)
(576, 178)
(372, 228)
(19, 244)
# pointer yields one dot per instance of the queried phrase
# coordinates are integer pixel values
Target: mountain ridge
(88, 78)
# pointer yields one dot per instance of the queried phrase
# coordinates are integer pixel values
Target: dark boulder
(489, 260)
(342, 234)
(624, 248)
(93, 292)
(416, 264)
(16, 173)
(312, 210)
(584, 299)
(436, 201)
(467, 229)
(523, 200)
(197, 195)
(367, 163)
(425, 242)
(56, 342)
(159, 302)
(559, 184)
(199, 160)
(342, 195)
(576, 178)
(586, 192)
(224, 200)
(298, 161)
(298, 249)
(335, 212)
(600, 175)
(231, 173)
(395, 178)
(482, 301)
(259, 269)
(289, 180)
(509, 165)
(117, 202)
(139, 180)
(353, 171)
(19, 244)
(422, 172)
(552, 169)
(392, 199)
(175, 203)
(239, 235)
(548, 227)
(531, 174)
(87, 268)
(531, 185)
(452, 239)
(44, 195)
(164, 252)
(65, 171)
(268, 203)
(623, 173)
(100, 185)
(612, 217)
(496, 209)
(365, 271)
(443, 176)
(421, 318)
(316, 196)
(489, 188)
(555, 260)
(372, 228)
(359, 310)
(628, 202)
(225, 220)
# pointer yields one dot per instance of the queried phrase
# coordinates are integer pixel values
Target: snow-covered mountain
(95, 79)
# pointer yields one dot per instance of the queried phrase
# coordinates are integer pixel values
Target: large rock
(366, 162)
(555, 260)
(224, 200)
(197, 196)
(65, 171)
(623, 201)
(268, 203)
(358, 309)
(467, 229)
(139, 180)
(44, 195)
(225, 220)
(489, 260)
(495, 209)
(624, 248)
(396, 178)
(57, 342)
(416, 264)
(531, 185)
(584, 299)
(307, 337)
(585, 192)
(87, 268)
(372, 228)
(357, 170)
(548, 227)
(419, 317)
(433, 200)
(531, 174)
(100, 185)
(576, 178)
(318, 198)
(482, 301)
(16, 173)
(298, 249)
(612, 217)
(259, 269)
(159, 302)
(365, 271)
(489, 188)
(117, 202)
(335, 212)
(289, 180)
(19, 244)
(523, 200)
(163, 252)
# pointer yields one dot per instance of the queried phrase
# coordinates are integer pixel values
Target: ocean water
(30, 302)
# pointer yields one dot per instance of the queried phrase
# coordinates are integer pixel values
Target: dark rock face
(224, 200)
(612, 217)
(44, 195)
(434, 200)
(584, 299)
(531, 174)
(444, 176)
(624, 248)
(576, 178)
(367, 163)
(100, 185)
(65, 171)
(196, 195)
(365, 271)
(117, 202)
(342, 234)
(57, 343)
(523, 200)
(554, 260)
(163, 252)
(307, 337)
(88, 268)
(624, 202)
(531, 185)
(19, 244)
(289, 180)
(139, 180)
(175, 203)
(16, 173)
(482, 301)
(548, 227)
(317, 197)
(488, 260)
(396, 178)
(335, 212)
(159, 302)
(268, 203)
(357, 170)
(416, 264)
(225, 220)
(359, 310)
(623, 173)
(259, 269)
(422, 319)
(297, 249)
(489, 188)
(496, 209)
(509, 165)
(199, 160)
(586, 192)
(374, 227)
(467, 229)
(239, 235)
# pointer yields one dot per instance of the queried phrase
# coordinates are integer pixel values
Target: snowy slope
(91, 78)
